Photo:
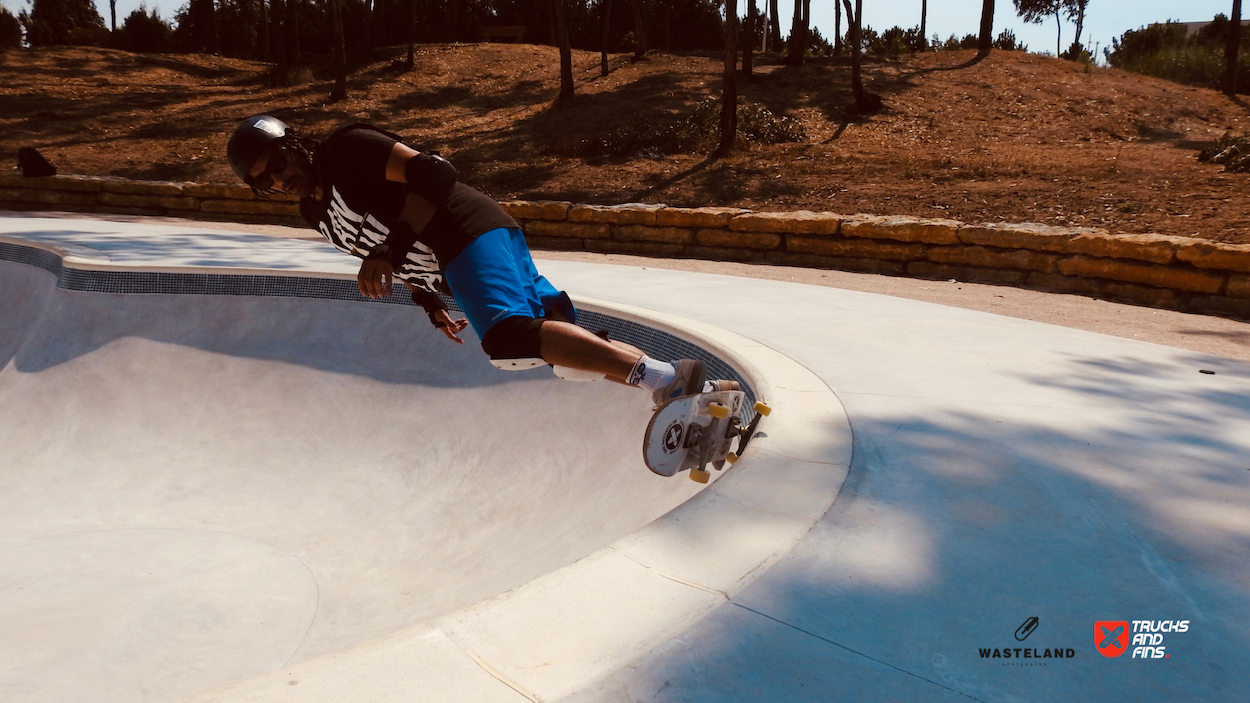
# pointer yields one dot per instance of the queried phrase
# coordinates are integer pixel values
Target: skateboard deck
(693, 431)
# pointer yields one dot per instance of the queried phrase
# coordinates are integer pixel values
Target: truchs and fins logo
(1111, 637)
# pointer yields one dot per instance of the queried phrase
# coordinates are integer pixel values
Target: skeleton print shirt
(361, 209)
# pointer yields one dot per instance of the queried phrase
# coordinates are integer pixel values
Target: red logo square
(1111, 637)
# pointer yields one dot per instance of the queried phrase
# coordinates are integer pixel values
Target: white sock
(651, 374)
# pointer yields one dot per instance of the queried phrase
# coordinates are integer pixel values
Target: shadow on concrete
(1121, 494)
(392, 344)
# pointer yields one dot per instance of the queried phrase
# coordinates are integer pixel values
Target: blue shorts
(494, 278)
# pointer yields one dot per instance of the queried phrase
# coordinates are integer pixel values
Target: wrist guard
(430, 302)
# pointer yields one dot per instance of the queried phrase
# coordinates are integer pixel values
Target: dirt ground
(1013, 138)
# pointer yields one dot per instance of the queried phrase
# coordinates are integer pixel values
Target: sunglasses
(277, 164)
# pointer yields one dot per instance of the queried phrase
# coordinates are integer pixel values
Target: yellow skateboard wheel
(731, 457)
(762, 409)
(718, 411)
(700, 475)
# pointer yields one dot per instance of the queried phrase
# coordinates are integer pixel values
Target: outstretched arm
(438, 314)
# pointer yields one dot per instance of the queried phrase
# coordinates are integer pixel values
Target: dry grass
(1013, 138)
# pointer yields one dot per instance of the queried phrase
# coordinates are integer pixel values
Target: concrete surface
(221, 494)
(1002, 469)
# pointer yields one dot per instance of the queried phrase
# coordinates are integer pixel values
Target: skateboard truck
(693, 431)
(734, 428)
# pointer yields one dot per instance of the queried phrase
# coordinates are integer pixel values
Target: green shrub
(697, 133)
(1006, 41)
(145, 32)
(893, 41)
(1164, 51)
(817, 45)
(758, 125)
(953, 44)
(1078, 53)
(1231, 150)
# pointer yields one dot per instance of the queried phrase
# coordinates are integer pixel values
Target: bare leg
(566, 344)
(630, 349)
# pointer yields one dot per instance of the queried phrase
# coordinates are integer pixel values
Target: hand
(375, 278)
(449, 326)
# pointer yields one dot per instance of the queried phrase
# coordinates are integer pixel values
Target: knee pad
(515, 339)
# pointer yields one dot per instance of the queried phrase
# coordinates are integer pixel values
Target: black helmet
(250, 139)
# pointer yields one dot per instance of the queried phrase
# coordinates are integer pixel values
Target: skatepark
(223, 477)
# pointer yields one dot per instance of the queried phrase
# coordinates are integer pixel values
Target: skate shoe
(720, 384)
(688, 381)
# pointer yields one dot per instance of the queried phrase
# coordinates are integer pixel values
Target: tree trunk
(453, 18)
(603, 51)
(807, 24)
(924, 14)
(857, 48)
(774, 26)
(729, 106)
(1058, 36)
(340, 56)
(796, 43)
(214, 42)
(266, 52)
(837, 28)
(553, 35)
(865, 102)
(1231, 49)
(985, 41)
(748, 51)
(566, 52)
(667, 14)
(113, 14)
(371, 6)
(412, 35)
(640, 32)
(1080, 23)
(279, 49)
(292, 31)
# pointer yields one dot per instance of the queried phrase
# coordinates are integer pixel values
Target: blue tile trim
(656, 343)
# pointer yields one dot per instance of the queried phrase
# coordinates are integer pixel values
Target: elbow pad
(430, 176)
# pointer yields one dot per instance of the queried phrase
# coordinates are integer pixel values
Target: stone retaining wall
(119, 196)
(1179, 273)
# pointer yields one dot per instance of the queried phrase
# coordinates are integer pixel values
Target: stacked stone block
(124, 197)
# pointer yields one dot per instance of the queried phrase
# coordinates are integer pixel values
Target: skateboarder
(405, 213)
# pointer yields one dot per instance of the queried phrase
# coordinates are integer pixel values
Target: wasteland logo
(1023, 632)
(1026, 656)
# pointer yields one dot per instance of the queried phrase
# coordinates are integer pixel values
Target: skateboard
(693, 431)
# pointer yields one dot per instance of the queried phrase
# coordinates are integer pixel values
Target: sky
(1106, 19)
